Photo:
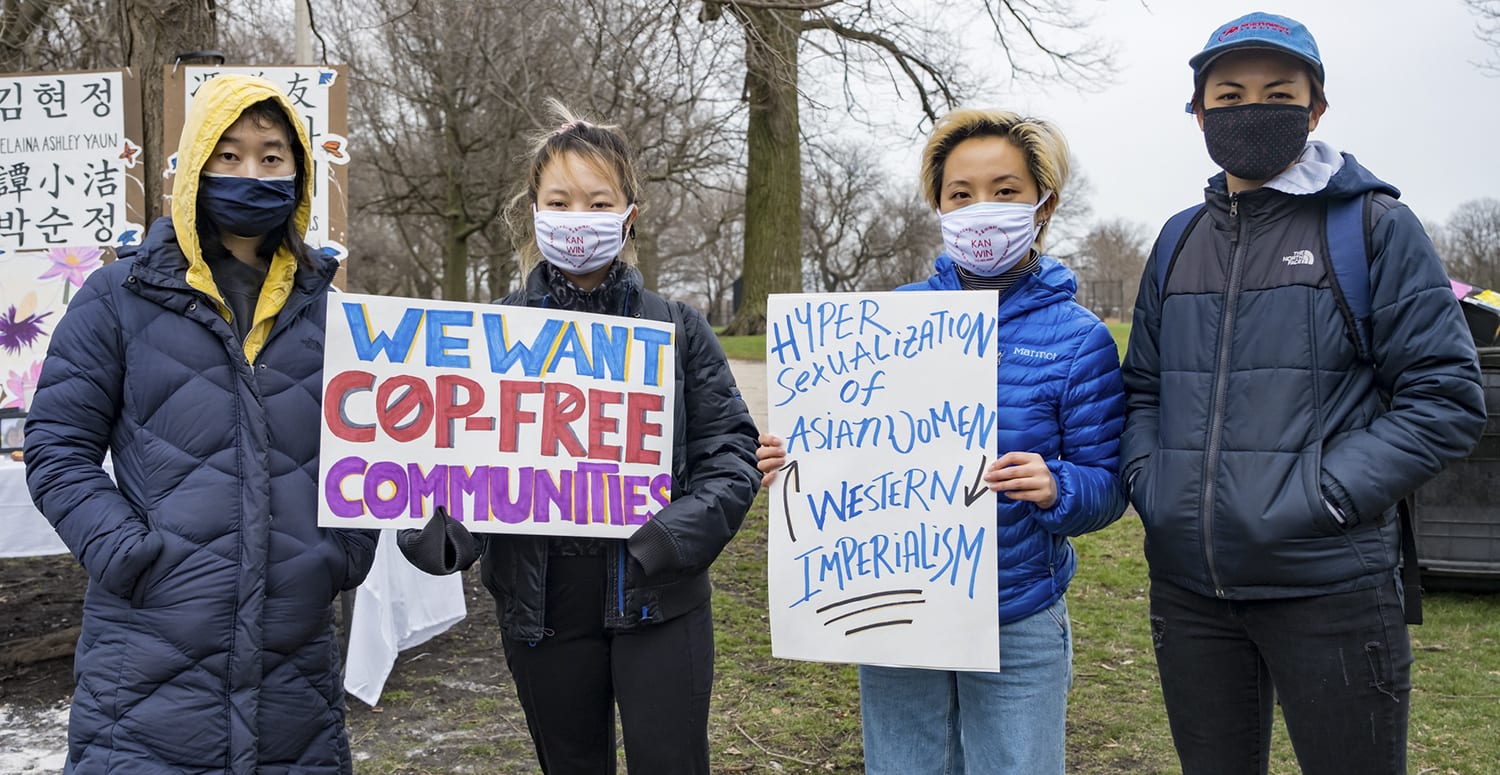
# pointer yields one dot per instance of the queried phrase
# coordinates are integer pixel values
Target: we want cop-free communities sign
(515, 420)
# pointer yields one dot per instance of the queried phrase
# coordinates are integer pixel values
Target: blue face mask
(247, 207)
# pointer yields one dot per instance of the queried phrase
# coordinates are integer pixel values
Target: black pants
(1340, 666)
(569, 682)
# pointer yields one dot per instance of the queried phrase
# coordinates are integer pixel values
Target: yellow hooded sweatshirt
(217, 105)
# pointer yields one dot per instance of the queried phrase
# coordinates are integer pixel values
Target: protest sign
(882, 546)
(321, 96)
(515, 420)
(70, 163)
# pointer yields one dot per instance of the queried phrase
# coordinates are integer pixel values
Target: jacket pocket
(1140, 488)
(1324, 521)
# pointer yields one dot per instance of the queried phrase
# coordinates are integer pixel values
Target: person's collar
(1311, 172)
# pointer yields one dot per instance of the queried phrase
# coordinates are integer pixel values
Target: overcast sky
(1406, 96)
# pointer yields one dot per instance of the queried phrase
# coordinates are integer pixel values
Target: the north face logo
(1299, 258)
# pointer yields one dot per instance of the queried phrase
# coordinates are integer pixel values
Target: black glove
(444, 546)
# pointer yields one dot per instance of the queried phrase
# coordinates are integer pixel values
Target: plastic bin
(1457, 514)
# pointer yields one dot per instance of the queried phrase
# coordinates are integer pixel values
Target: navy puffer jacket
(1252, 420)
(1059, 396)
(207, 642)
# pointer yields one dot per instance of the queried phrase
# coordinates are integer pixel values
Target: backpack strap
(1349, 255)
(1169, 242)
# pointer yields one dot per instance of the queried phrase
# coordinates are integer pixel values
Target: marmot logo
(1299, 258)
(1030, 353)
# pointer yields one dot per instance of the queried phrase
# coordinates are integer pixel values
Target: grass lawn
(779, 715)
(745, 348)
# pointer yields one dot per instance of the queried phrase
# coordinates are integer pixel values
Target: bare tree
(857, 232)
(154, 34)
(1109, 263)
(1488, 30)
(700, 250)
(451, 98)
(442, 117)
(22, 23)
(859, 33)
(1470, 243)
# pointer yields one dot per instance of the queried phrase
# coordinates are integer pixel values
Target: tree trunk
(455, 218)
(773, 181)
(456, 246)
(501, 269)
(648, 257)
(156, 31)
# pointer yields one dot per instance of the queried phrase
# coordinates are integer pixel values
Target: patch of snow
(33, 740)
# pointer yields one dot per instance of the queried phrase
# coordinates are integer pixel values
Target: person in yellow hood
(196, 362)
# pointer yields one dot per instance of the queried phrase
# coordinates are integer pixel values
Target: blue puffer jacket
(1251, 412)
(207, 642)
(1060, 396)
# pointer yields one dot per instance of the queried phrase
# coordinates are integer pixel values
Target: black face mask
(1255, 142)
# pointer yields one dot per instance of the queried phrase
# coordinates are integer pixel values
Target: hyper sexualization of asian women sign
(515, 420)
(882, 546)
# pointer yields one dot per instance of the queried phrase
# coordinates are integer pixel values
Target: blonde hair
(1041, 142)
(601, 145)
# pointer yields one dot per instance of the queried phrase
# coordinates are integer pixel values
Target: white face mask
(580, 242)
(987, 238)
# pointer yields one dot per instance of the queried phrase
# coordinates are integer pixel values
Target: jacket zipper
(1221, 390)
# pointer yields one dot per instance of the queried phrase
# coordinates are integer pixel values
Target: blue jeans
(1339, 664)
(945, 722)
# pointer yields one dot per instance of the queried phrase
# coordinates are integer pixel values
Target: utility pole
(303, 54)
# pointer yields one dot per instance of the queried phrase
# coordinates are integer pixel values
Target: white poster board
(66, 157)
(882, 545)
(320, 95)
(516, 420)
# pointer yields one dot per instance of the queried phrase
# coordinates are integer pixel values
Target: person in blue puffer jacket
(1061, 411)
(196, 362)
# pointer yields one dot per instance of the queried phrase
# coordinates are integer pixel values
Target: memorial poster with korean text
(71, 191)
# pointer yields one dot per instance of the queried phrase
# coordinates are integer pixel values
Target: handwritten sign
(68, 161)
(882, 546)
(320, 95)
(516, 420)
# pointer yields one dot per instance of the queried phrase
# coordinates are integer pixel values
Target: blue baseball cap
(1258, 30)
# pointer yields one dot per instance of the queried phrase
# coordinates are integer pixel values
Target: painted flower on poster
(72, 265)
(21, 325)
(20, 386)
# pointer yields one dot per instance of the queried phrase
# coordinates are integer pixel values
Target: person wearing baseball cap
(1274, 425)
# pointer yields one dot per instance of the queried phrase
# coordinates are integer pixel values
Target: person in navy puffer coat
(196, 362)
(1272, 431)
(1061, 411)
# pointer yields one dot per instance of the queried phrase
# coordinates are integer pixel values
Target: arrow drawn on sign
(793, 479)
(980, 489)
